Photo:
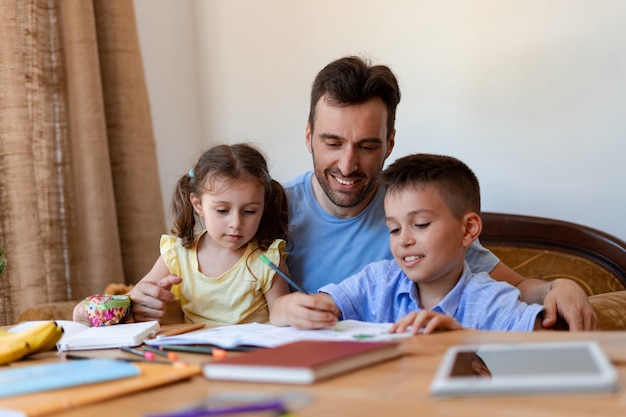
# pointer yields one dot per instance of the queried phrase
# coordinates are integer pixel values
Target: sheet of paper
(266, 335)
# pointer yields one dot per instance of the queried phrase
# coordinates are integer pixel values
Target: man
(336, 211)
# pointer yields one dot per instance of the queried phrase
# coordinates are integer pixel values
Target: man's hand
(567, 300)
(561, 297)
(303, 311)
(425, 321)
(150, 298)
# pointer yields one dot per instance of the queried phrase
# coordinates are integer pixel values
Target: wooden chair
(544, 248)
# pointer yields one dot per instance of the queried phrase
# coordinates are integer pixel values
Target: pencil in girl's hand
(282, 274)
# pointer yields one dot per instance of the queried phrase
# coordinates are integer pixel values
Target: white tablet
(524, 368)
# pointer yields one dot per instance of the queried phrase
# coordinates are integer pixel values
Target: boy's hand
(150, 298)
(303, 311)
(425, 321)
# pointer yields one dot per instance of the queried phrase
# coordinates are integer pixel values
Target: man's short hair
(353, 80)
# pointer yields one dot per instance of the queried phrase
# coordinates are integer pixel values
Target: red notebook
(302, 362)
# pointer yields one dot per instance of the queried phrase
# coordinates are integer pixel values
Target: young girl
(244, 214)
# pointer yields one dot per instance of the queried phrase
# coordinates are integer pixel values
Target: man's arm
(561, 297)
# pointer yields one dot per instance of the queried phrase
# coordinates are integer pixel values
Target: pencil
(169, 355)
(207, 349)
(270, 405)
(282, 274)
(148, 355)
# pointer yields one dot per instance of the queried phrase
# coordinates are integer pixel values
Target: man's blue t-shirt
(325, 249)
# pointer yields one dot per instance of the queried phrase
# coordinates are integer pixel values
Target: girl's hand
(150, 298)
(425, 321)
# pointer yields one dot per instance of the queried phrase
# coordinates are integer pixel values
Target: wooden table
(394, 388)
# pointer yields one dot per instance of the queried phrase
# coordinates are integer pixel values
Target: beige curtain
(80, 200)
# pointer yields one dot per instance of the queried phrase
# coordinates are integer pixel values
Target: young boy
(431, 209)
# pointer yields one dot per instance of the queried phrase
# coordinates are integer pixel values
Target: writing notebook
(302, 362)
(51, 376)
(105, 337)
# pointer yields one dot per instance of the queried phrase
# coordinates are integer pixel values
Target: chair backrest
(500, 229)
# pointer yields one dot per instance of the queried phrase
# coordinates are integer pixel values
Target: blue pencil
(282, 274)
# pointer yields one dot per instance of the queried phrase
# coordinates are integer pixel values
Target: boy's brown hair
(456, 183)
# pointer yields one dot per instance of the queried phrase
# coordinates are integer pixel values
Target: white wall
(530, 93)
(167, 34)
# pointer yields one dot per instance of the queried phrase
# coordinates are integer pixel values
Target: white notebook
(115, 336)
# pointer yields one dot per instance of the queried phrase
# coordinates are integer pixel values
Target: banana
(35, 339)
(12, 350)
(51, 341)
(39, 335)
(38, 338)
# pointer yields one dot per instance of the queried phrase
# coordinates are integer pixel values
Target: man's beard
(339, 198)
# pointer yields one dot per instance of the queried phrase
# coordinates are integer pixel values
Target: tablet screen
(573, 360)
(524, 368)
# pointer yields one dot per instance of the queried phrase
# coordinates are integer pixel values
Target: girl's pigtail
(275, 220)
(182, 210)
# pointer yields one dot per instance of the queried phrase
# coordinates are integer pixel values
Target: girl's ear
(196, 203)
(472, 226)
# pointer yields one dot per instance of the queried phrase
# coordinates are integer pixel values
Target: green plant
(3, 261)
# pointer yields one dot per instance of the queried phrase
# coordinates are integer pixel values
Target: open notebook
(267, 335)
(118, 335)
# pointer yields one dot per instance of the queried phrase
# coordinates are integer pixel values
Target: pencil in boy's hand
(282, 274)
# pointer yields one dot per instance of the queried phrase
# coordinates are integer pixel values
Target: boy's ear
(196, 203)
(473, 225)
